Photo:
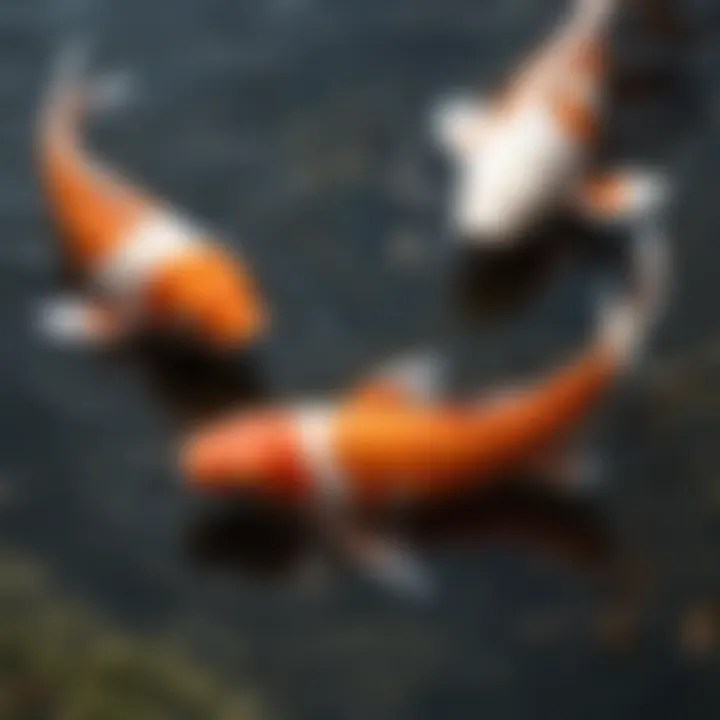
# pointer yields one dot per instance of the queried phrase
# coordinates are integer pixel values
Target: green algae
(59, 661)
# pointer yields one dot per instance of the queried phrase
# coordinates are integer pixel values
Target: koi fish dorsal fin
(406, 380)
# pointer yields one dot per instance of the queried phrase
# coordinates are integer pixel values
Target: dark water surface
(297, 127)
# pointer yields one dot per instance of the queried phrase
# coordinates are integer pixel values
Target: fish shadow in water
(522, 515)
(492, 285)
(247, 537)
(192, 385)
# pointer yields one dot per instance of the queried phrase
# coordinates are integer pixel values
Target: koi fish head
(209, 294)
(503, 185)
(480, 213)
(495, 200)
(257, 451)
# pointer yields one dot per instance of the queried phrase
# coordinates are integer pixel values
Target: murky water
(297, 128)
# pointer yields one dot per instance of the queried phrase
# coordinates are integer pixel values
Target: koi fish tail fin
(70, 92)
(628, 318)
(593, 15)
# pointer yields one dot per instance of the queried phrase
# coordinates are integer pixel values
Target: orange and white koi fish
(146, 265)
(528, 152)
(391, 440)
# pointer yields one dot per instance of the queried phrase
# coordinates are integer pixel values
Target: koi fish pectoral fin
(390, 564)
(75, 321)
(385, 560)
(623, 196)
(420, 376)
(458, 123)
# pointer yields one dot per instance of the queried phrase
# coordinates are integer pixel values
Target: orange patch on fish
(605, 193)
(591, 58)
(91, 206)
(577, 118)
(270, 447)
(206, 284)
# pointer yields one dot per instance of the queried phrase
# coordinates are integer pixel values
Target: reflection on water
(191, 385)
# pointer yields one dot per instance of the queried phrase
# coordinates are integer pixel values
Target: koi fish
(393, 438)
(144, 263)
(527, 153)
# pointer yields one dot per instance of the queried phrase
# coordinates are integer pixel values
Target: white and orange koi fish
(392, 439)
(146, 265)
(529, 152)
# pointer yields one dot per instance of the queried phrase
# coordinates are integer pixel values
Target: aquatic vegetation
(61, 662)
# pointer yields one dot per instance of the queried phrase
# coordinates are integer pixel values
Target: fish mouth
(207, 466)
